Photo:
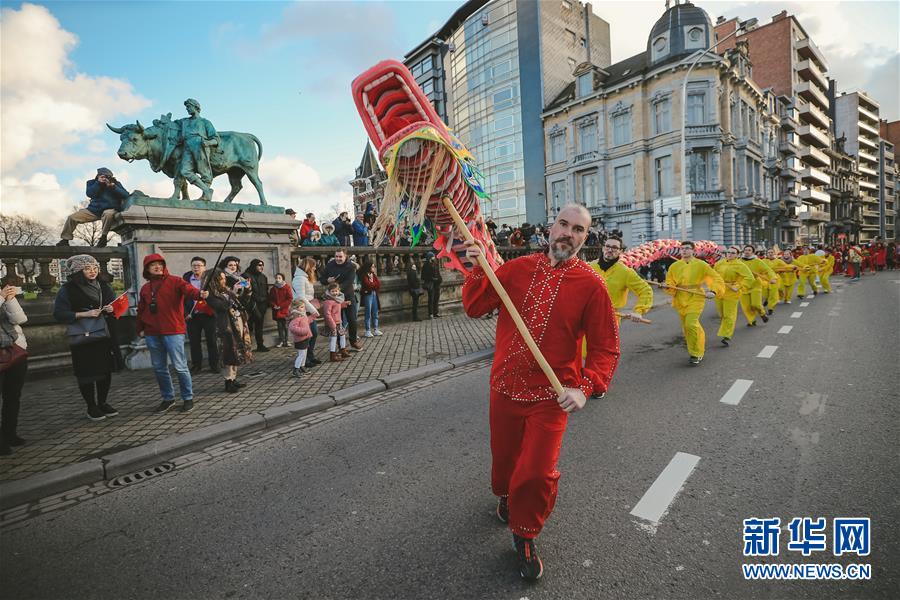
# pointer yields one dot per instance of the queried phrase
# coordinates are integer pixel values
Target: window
(662, 121)
(589, 191)
(557, 147)
(503, 150)
(428, 87)
(504, 122)
(587, 137)
(696, 109)
(621, 129)
(659, 44)
(501, 68)
(503, 99)
(663, 179)
(624, 184)
(558, 193)
(694, 34)
(585, 84)
(506, 177)
(570, 36)
(698, 172)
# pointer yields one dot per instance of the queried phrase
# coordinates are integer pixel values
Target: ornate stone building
(368, 184)
(846, 204)
(612, 140)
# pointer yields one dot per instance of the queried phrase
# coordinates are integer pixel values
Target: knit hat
(104, 171)
(79, 262)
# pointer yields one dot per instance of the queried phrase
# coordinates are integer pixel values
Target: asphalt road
(395, 502)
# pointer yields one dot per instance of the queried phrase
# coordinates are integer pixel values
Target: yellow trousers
(694, 335)
(773, 296)
(751, 305)
(801, 288)
(727, 309)
(787, 290)
(826, 284)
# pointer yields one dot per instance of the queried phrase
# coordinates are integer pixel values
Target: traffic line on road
(767, 352)
(804, 304)
(736, 392)
(655, 502)
(796, 315)
(785, 329)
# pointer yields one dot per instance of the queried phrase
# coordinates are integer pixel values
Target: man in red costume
(562, 300)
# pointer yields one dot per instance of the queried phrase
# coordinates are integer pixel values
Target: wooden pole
(636, 319)
(507, 302)
(678, 289)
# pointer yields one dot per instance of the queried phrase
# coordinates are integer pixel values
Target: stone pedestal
(180, 230)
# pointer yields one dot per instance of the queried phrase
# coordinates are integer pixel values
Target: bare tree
(89, 233)
(22, 230)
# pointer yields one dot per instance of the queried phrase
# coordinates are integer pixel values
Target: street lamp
(743, 25)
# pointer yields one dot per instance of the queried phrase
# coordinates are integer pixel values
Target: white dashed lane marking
(767, 352)
(656, 500)
(736, 391)
(796, 315)
(804, 304)
(785, 329)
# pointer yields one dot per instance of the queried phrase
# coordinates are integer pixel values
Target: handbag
(87, 330)
(10, 356)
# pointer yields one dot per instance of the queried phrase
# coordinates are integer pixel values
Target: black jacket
(413, 283)
(258, 299)
(431, 273)
(344, 274)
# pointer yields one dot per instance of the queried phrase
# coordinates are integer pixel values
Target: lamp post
(684, 171)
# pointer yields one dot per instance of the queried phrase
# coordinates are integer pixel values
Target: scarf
(339, 297)
(604, 264)
(92, 290)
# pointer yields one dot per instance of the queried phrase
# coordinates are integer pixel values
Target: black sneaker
(188, 406)
(530, 566)
(753, 324)
(764, 318)
(164, 406)
(771, 311)
(262, 349)
(62, 243)
(107, 410)
(503, 509)
(695, 360)
(599, 396)
(95, 414)
(725, 341)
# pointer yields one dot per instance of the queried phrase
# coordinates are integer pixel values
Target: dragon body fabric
(424, 162)
(643, 255)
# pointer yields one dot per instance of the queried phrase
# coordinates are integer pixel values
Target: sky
(282, 71)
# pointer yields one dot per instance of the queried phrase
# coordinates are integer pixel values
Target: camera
(153, 307)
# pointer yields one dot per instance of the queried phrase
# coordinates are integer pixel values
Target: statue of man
(197, 135)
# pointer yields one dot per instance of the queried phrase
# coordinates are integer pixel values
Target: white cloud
(41, 196)
(291, 183)
(47, 105)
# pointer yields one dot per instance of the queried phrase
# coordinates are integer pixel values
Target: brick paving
(58, 432)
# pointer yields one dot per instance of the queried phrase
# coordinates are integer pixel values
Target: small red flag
(120, 305)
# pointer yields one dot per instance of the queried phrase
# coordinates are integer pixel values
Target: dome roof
(681, 30)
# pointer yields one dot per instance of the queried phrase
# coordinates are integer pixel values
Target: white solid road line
(785, 329)
(767, 352)
(656, 500)
(736, 391)
(796, 315)
(804, 304)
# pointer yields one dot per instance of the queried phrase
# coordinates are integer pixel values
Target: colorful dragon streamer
(424, 163)
(643, 255)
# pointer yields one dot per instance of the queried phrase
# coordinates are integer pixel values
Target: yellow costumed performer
(738, 279)
(779, 267)
(826, 268)
(687, 275)
(809, 269)
(620, 279)
(789, 274)
(751, 300)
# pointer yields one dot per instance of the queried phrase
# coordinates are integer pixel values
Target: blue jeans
(370, 304)
(163, 347)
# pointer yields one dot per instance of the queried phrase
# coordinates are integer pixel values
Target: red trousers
(525, 441)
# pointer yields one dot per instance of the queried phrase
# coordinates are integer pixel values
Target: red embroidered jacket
(560, 305)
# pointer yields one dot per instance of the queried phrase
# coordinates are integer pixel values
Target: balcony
(870, 213)
(868, 128)
(888, 154)
(868, 171)
(809, 71)
(819, 216)
(807, 49)
(789, 119)
(814, 196)
(789, 199)
(868, 143)
(788, 172)
(868, 185)
(585, 157)
(814, 136)
(810, 92)
(867, 156)
(703, 136)
(811, 114)
(868, 115)
(813, 156)
(890, 212)
(866, 101)
(707, 197)
(814, 176)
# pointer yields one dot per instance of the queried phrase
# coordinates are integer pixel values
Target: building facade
(368, 183)
(846, 205)
(490, 70)
(612, 141)
(890, 132)
(856, 119)
(786, 60)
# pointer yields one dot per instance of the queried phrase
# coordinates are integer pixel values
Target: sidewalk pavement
(59, 434)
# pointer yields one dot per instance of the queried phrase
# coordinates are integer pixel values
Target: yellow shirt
(734, 273)
(789, 277)
(761, 271)
(775, 264)
(808, 263)
(619, 279)
(691, 275)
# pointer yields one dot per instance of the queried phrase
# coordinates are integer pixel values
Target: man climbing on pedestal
(197, 136)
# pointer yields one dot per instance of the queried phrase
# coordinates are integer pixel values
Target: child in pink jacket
(334, 329)
(300, 333)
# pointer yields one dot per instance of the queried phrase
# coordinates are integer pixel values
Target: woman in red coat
(280, 296)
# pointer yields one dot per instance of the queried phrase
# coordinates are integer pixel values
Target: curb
(107, 467)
